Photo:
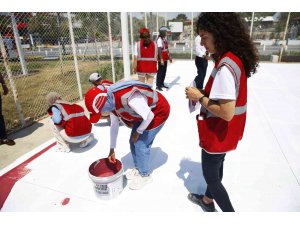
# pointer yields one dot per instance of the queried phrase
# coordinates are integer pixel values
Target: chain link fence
(43, 52)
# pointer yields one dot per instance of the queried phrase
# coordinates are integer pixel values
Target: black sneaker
(7, 141)
(159, 89)
(164, 86)
(197, 199)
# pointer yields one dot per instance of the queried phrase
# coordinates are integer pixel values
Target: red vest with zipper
(164, 50)
(156, 101)
(217, 135)
(74, 120)
(147, 57)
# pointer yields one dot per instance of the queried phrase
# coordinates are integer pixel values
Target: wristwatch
(201, 99)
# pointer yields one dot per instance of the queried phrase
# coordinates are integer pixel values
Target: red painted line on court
(8, 180)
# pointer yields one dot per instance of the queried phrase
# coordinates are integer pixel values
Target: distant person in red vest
(145, 58)
(222, 117)
(3, 135)
(163, 57)
(70, 125)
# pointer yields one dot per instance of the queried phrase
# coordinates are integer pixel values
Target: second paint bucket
(107, 178)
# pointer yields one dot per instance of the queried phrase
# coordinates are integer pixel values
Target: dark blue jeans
(161, 74)
(3, 134)
(201, 65)
(212, 167)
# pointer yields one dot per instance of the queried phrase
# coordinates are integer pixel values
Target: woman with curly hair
(222, 116)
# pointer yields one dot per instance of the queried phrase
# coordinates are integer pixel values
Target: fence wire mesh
(37, 54)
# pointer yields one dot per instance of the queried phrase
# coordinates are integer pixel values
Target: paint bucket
(107, 178)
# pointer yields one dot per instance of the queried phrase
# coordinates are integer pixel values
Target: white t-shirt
(138, 103)
(200, 49)
(159, 42)
(135, 49)
(223, 86)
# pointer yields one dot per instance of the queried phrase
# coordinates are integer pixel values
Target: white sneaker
(65, 148)
(130, 174)
(139, 182)
(87, 141)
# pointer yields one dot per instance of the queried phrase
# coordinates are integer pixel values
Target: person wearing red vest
(163, 57)
(145, 58)
(222, 116)
(142, 109)
(69, 123)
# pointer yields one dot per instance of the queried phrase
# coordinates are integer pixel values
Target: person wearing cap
(69, 123)
(3, 135)
(145, 57)
(144, 110)
(96, 79)
(163, 57)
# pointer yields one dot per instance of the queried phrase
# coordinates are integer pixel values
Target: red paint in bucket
(103, 168)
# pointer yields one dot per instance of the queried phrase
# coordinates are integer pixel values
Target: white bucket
(107, 178)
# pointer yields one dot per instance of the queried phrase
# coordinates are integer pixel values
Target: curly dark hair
(230, 34)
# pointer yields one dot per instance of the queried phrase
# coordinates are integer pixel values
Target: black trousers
(3, 134)
(161, 74)
(212, 167)
(201, 65)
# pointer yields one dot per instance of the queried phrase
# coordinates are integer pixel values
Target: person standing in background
(201, 63)
(145, 57)
(163, 57)
(3, 135)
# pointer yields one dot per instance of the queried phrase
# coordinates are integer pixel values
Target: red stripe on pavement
(8, 180)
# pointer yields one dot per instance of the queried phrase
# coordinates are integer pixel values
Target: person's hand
(112, 156)
(134, 69)
(162, 62)
(170, 60)
(5, 89)
(192, 93)
(135, 137)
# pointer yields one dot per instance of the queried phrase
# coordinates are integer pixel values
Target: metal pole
(111, 48)
(166, 19)
(157, 22)
(11, 81)
(131, 37)
(251, 27)
(284, 36)
(146, 25)
(74, 55)
(19, 45)
(192, 36)
(125, 45)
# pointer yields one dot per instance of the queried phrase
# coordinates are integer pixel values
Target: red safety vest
(164, 50)
(217, 135)
(146, 59)
(74, 120)
(156, 101)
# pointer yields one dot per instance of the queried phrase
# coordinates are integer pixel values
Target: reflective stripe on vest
(67, 116)
(126, 96)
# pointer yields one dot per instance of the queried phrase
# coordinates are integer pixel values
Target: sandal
(197, 199)
(7, 141)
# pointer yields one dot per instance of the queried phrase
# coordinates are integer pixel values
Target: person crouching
(70, 125)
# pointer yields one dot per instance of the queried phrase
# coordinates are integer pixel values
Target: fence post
(131, 37)
(192, 36)
(125, 45)
(19, 45)
(111, 48)
(251, 27)
(11, 82)
(284, 36)
(74, 55)
(146, 24)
